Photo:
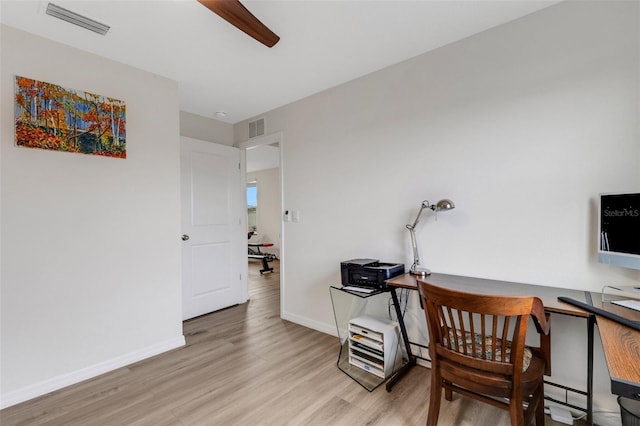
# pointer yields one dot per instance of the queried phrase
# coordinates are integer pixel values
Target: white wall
(90, 245)
(269, 205)
(521, 126)
(206, 129)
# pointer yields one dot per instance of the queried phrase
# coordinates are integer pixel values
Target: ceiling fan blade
(236, 14)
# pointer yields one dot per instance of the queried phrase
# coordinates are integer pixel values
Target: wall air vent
(79, 20)
(256, 128)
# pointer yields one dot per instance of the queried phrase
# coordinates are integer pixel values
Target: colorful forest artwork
(52, 117)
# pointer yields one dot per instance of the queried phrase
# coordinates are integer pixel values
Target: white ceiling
(323, 43)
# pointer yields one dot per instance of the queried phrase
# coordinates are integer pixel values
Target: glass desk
(349, 305)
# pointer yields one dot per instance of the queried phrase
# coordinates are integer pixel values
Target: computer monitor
(619, 230)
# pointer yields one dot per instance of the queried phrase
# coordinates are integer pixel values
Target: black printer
(369, 273)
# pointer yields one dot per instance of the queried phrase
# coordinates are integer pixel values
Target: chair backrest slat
(494, 338)
(483, 325)
(453, 330)
(472, 332)
(505, 337)
(463, 333)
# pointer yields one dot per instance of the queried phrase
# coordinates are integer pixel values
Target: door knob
(185, 237)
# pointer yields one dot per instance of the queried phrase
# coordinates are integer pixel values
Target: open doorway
(252, 205)
(264, 208)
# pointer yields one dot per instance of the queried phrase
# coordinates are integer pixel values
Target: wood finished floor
(245, 366)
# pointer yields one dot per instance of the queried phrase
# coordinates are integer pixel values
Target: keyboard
(631, 304)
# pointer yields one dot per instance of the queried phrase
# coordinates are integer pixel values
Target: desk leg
(405, 338)
(588, 393)
(590, 327)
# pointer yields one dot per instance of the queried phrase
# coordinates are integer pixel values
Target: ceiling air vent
(76, 19)
(256, 128)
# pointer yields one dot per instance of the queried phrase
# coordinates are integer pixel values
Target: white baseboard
(37, 389)
(423, 363)
(315, 325)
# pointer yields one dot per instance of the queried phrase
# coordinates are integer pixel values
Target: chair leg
(516, 412)
(540, 405)
(435, 397)
(535, 409)
(540, 414)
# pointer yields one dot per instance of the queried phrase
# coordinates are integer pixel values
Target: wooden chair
(477, 349)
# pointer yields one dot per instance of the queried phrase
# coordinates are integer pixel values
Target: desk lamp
(443, 204)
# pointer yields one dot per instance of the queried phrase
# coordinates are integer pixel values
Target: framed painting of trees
(52, 117)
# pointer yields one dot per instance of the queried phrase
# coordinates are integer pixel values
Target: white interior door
(214, 246)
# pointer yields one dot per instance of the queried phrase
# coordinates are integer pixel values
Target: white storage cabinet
(373, 345)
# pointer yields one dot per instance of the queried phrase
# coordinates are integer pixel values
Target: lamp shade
(445, 204)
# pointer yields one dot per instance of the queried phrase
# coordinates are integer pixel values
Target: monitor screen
(619, 230)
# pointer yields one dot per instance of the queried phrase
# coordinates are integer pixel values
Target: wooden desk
(621, 346)
(549, 297)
